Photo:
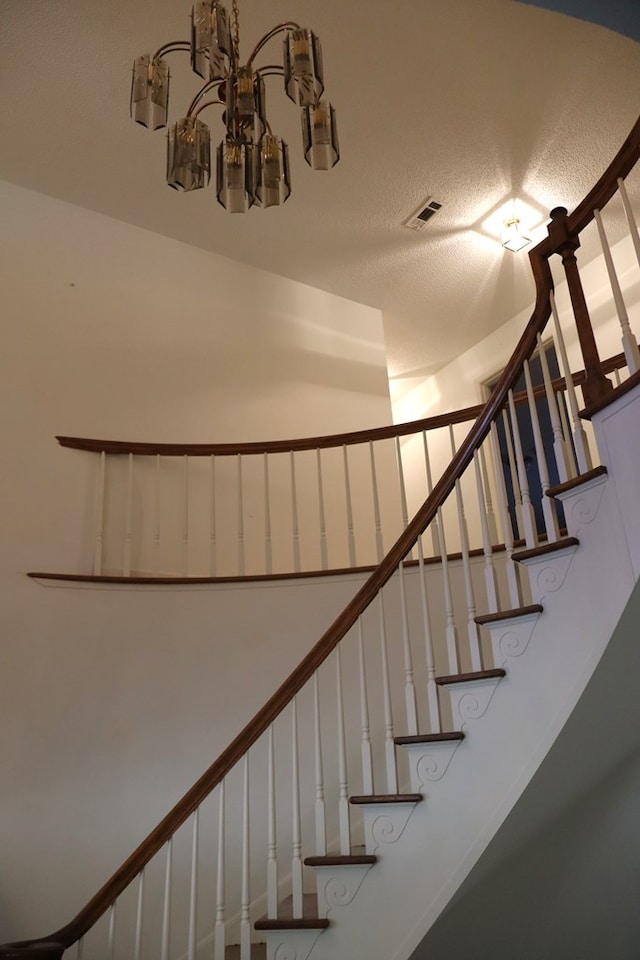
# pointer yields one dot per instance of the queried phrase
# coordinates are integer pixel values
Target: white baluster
(376, 504)
(185, 519)
(296, 859)
(548, 505)
(559, 444)
(389, 744)
(409, 682)
(343, 783)
(432, 690)
(268, 546)
(272, 853)
(347, 489)
(403, 489)
(490, 580)
(616, 375)
(321, 829)
(294, 515)
(472, 626)
(631, 220)
(324, 561)
(220, 929)
(213, 533)
(451, 632)
(629, 343)
(137, 948)
(367, 764)
(99, 547)
(528, 516)
(111, 936)
(435, 533)
(80, 949)
(165, 943)
(566, 432)
(241, 566)
(513, 583)
(491, 517)
(156, 518)
(513, 473)
(583, 454)
(193, 892)
(245, 893)
(128, 536)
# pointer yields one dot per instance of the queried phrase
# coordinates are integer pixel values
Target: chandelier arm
(207, 103)
(271, 70)
(172, 47)
(207, 88)
(280, 28)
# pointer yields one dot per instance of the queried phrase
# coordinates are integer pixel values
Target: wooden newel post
(596, 386)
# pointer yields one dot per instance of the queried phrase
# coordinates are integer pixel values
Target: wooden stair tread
(578, 481)
(258, 951)
(619, 391)
(487, 618)
(341, 860)
(545, 549)
(387, 798)
(286, 921)
(470, 677)
(429, 738)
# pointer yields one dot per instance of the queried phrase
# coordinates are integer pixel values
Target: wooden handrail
(464, 415)
(539, 259)
(329, 640)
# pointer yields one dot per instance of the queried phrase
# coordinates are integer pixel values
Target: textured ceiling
(467, 100)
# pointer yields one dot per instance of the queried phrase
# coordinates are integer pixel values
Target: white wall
(460, 383)
(560, 877)
(111, 331)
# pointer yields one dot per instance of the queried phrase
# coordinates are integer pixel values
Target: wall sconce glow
(512, 239)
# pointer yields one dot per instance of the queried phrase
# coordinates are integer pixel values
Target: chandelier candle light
(252, 163)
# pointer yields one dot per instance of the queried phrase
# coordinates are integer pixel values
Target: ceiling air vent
(420, 217)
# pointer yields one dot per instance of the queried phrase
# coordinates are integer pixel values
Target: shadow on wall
(559, 880)
(619, 15)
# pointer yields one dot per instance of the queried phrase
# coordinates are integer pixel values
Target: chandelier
(252, 165)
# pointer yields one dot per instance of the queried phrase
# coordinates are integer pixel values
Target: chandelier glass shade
(252, 163)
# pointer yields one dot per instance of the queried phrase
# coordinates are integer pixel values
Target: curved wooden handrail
(144, 449)
(329, 640)
(539, 258)
(464, 415)
(602, 191)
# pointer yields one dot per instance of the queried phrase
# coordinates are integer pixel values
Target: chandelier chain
(235, 13)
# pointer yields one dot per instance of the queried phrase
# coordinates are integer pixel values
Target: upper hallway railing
(172, 512)
(422, 622)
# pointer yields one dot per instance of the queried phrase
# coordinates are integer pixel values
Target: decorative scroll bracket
(292, 945)
(385, 823)
(428, 762)
(337, 886)
(470, 699)
(548, 571)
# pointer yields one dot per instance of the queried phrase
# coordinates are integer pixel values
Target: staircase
(378, 772)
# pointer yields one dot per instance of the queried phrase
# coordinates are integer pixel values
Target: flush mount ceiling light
(513, 223)
(512, 239)
(252, 163)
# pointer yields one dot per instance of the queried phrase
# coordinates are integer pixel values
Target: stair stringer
(418, 874)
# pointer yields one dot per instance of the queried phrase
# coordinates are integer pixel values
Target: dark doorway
(525, 428)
